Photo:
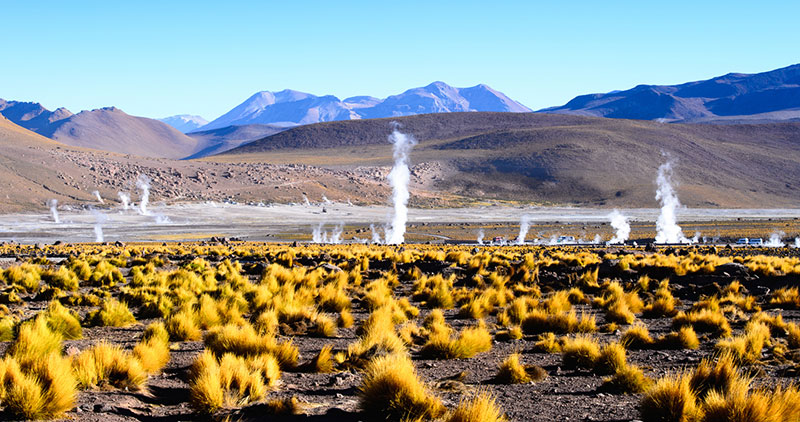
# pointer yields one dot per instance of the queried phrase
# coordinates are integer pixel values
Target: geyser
(667, 228)
(524, 226)
(143, 183)
(481, 235)
(125, 198)
(399, 178)
(100, 218)
(99, 198)
(54, 210)
(622, 230)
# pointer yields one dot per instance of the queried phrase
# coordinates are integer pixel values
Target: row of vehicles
(753, 241)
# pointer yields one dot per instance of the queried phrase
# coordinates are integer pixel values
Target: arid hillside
(559, 159)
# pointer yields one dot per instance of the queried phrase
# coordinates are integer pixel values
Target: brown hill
(35, 169)
(111, 129)
(560, 159)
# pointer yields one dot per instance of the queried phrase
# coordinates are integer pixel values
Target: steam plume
(326, 200)
(125, 198)
(306, 201)
(480, 236)
(622, 230)
(376, 238)
(97, 195)
(524, 226)
(797, 242)
(667, 228)
(143, 183)
(399, 178)
(100, 218)
(775, 240)
(319, 235)
(54, 210)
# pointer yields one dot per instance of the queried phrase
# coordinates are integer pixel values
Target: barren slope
(560, 159)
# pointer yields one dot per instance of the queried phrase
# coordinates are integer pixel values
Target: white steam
(376, 237)
(125, 198)
(667, 228)
(54, 210)
(326, 200)
(100, 218)
(776, 240)
(399, 178)
(143, 183)
(480, 236)
(797, 242)
(306, 201)
(524, 226)
(96, 194)
(622, 229)
(319, 235)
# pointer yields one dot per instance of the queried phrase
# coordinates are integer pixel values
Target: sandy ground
(199, 221)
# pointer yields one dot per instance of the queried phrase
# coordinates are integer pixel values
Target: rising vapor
(622, 230)
(667, 228)
(524, 226)
(143, 183)
(54, 210)
(399, 178)
(125, 198)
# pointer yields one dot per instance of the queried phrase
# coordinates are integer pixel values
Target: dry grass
(580, 352)
(481, 408)
(670, 399)
(391, 390)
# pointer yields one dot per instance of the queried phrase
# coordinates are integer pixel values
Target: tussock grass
(704, 321)
(481, 408)
(105, 363)
(580, 352)
(627, 379)
(670, 399)
(112, 314)
(391, 390)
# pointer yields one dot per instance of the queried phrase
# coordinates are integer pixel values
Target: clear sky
(159, 58)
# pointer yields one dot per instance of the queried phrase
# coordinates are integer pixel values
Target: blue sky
(161, 58)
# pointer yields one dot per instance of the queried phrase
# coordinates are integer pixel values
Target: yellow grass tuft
(391, 390)
(481, 408)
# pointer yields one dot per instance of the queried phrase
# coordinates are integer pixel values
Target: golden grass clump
(512, 371)
(710, 376)
(153, 350)
(670, 399)
(63, 321)
(62, 278)
(105, 363)
(182, 326)
(704, 321)
(637, 337)
(228, 381)
(547, 343)
(580, 352)
(629, 379)
(746, 348)
(113, 313)
(538, 321)
(612, 358)
(470, 342)
(323, 362)
(481, 408)
(663, 305)
(35, 340)
(391, 390)
(684, 338)
(245, 341)
(42, 389)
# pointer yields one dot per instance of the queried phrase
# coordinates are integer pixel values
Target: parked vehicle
(743, 241)
(756, 242)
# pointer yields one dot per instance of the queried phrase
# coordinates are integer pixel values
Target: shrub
(709, 376)
(470, 342)
(684, 338)
(547, 343)
(323, 362)
(182, 326)
(62, 278)
(391, 390)
(44, 390)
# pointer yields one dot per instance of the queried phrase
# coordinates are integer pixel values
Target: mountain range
(772, 96)
(292, 108)
(732, 98)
